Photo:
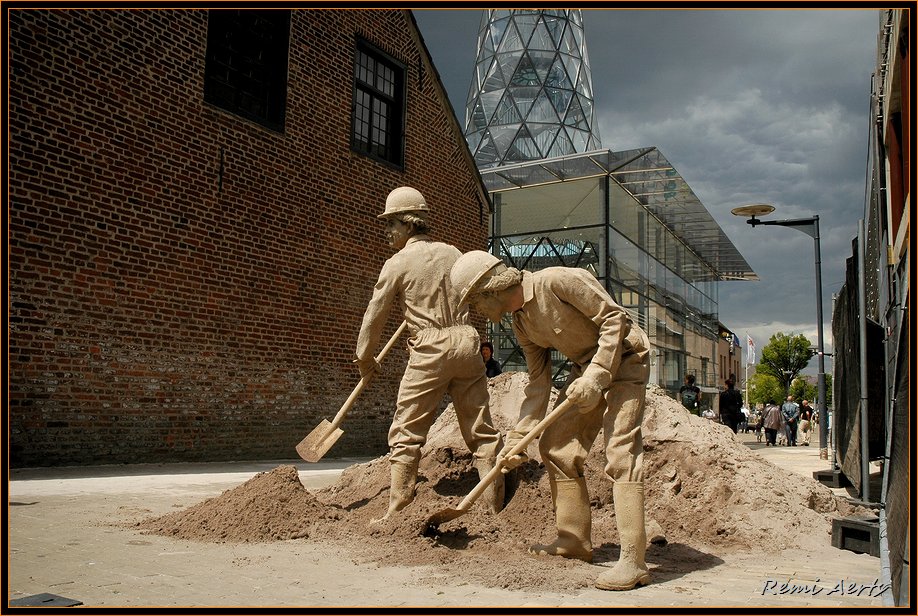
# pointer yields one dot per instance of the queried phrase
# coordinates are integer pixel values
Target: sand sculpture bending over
(568, 310)
(443, 350)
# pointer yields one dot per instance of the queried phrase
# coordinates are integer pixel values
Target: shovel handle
(520, 447)
(365, 380)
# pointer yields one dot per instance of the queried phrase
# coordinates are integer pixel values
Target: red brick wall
(156, 314)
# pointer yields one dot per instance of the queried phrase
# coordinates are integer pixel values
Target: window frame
(274, 69)
(397, 100)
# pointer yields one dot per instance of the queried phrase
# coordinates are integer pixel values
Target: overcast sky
(750, 106)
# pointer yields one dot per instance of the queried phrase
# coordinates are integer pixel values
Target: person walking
(690, 395)
(567, 309)
(772, 422)
(791, 413)
(806, 422)
(731, 403)
(443, 348)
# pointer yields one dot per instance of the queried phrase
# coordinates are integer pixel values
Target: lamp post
(810, 226)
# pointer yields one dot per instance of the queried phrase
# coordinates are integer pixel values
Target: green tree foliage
(803, 389)
(764, 387)
(784, 357)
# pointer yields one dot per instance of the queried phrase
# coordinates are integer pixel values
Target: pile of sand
(706, 494)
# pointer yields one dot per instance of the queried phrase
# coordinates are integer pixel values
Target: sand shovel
(445, 515)
(320, 440)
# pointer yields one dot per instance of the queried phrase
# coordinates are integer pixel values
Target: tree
(803, 389)
(784, 357)
(764, 388)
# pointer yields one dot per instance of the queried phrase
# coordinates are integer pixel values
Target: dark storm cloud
(750, 106)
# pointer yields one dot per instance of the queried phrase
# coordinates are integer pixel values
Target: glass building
(531, 95)
(559, 199)
(630, 219)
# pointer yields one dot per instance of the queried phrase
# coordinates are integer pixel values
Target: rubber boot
(572, 519)
(630, 570)
(493, 496)
(401, 487)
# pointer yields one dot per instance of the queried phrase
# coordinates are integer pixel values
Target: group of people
(791, 419)
(730, 402)
(432, 284)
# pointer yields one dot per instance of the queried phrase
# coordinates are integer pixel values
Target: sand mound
(706, 493)
(270, 506)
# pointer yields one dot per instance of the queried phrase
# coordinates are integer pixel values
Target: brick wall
(162, 311)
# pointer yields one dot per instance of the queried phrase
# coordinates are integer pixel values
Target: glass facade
(630, 219)
(531, 95)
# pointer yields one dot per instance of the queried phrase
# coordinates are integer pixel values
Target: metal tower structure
(531, 96)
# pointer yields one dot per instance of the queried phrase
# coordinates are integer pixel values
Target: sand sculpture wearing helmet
(443, 350)
(568, 309)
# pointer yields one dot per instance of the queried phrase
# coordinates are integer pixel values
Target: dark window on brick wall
(246, 68)
(379, 105)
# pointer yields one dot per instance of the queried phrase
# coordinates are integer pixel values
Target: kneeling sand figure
(568, 310)
(443, 350)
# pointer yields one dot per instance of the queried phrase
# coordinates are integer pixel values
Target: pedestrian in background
(492, 367)
(791, 412)
(806, 422)
(690, 395)
(772, 422)
(731, 401)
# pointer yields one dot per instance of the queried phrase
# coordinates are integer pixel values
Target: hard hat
(404, 199)
(469, 269)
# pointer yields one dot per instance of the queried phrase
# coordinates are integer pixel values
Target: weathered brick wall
(162, 311)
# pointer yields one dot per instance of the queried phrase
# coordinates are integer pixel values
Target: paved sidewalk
(64, 540)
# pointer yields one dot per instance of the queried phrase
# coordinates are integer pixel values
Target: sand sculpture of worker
(443, 350)
(567, 309)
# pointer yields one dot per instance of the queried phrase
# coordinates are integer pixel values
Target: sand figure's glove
(368, 367)
(586, 391)
(512, 440)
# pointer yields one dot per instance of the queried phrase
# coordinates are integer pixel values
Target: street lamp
(810, 226)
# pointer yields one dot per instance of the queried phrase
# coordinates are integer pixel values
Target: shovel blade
(445, 515)
(319, 441)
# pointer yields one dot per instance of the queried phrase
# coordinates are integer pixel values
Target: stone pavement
(65, 539)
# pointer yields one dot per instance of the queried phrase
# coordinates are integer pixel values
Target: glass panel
(559, 99)
(512, 41)
(537, 209)
(566, 248)
(506, 111)
(498, 26)
(541, 38)
(543, 135)
(543, 111)
(525, 23)
(525, 74)
(555, 27)
(542, 61)
(557, 75)
(495, 79)
(562, 145)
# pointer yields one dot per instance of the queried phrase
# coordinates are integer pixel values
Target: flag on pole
(750, 350)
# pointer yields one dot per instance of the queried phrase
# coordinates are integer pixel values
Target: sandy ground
(712, 504)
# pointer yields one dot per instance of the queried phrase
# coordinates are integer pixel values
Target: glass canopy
(652, 182)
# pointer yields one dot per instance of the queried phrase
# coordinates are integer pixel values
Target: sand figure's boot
(572, 519)
(493, 496)
(630, 570)
(401, 487)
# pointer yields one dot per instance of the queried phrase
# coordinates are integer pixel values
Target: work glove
(512, 440)
(368, 367)
(585, 391)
